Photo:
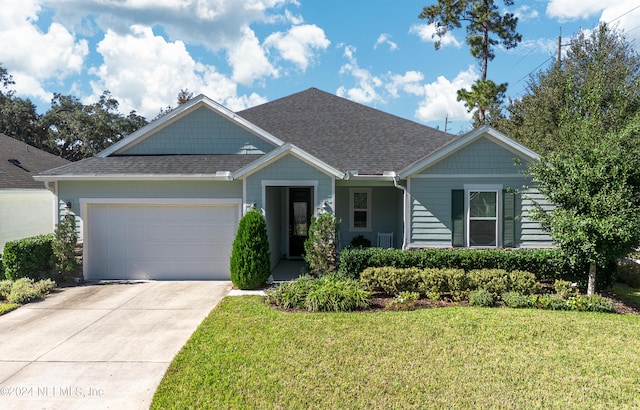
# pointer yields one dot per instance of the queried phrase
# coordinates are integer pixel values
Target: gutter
(404, 210)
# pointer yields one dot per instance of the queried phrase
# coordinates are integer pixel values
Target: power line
(623, 14)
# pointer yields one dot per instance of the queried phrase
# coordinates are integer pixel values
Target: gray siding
(201, 132)
(430, 211)
(533, 236)
(291, 171)
(480, 157)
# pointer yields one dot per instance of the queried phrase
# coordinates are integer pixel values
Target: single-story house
(27, 207)
(165, 202)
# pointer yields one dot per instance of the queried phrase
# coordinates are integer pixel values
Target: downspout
(404, 210)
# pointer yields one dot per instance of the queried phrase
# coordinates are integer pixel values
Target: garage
(161, 240)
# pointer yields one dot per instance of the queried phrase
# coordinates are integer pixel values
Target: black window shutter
(508, 219)
(457, 216)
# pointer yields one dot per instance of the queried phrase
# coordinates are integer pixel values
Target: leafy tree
(77, 131)
(598, 80)
(18, 117)
(250, 258)
(595, 184)
(321, 246)
(64, 242)
(183, 97)
(486, 28)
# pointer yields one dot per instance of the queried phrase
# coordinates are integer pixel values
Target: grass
(7, 307)
(247, 355)
(626, 292)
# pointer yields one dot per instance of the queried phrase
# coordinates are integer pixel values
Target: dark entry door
(299, 219)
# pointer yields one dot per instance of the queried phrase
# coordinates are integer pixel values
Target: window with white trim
(360, 209)
(482, 222)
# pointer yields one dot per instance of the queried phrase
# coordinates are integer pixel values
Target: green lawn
(626, 292)
(247, 355)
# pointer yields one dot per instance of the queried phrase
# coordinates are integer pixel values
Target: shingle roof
(345, 134)
(153, 165)
(19, 162)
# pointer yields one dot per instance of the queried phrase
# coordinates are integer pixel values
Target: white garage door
(170, 242)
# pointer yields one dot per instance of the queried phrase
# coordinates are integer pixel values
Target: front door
(299, 219)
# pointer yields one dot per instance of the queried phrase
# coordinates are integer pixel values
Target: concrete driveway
(99, 346)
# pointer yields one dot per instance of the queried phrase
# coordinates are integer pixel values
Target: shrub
(5, 288)
(494, 281)
(481, 297)
(332, 292)
(403, 301)
(592, 303)
(64, 243)
(582, 303)
(523, 282)
(29, 257)
(250, 259)
(391, 280)
(22, 291)
(565, 289)
(516, 300)
(629, 272)
(320, 246)
(336, 293)
(44, 287)
(360, 241)
(545, 264)
(434, 283)
(553, 302)
(291, 294)
(458, 283)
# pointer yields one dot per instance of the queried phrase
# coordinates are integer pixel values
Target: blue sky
(245, 52)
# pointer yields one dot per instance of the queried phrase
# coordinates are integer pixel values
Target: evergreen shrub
(250, 259)
(30, 257)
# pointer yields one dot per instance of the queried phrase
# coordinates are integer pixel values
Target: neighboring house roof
(20, 162)
(347, 135)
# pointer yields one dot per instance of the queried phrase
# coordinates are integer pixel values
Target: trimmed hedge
(545, 264)
(29, 258)
(432, 283)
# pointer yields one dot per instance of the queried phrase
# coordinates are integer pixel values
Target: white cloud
(409, 83)
(426, 33)
(385, 39)
(145, 72)
(526, 13)
(441, 98)
(621, 14)
(248, 60)
(571, 10)
(365, 90)
(32, 55)
(299, 44)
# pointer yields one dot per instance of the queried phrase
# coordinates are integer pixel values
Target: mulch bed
(379, 303)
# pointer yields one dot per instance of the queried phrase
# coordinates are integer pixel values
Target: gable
(201, 131)
(482, 156)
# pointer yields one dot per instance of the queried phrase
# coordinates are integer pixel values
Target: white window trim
(497, 189)
(352, 192)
